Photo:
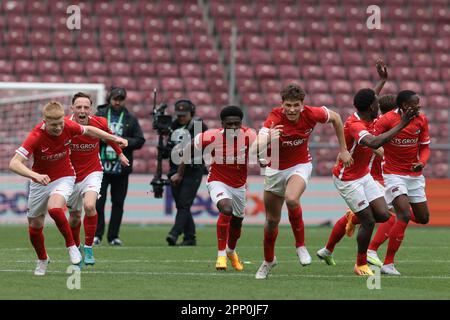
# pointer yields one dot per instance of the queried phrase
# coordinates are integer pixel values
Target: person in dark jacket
(124, 124)
(185, 187)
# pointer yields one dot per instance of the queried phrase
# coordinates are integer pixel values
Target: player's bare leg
(421, 212)
(273, 205)
(90, 225)
(55, 205)
(397, 233)
(294, 189)
(35, 228)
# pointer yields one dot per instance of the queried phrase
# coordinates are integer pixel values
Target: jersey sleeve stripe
(426, 142)
(20, 151)
(362, 134)
(328, 114)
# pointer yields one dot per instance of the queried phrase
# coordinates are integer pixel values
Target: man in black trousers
(185, 187)
(124, 124)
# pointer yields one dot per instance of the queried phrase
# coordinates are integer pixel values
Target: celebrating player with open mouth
(229, 149)
(287, 130)
(355, 184)
(89, 172)
(52, 176)
(404, 158)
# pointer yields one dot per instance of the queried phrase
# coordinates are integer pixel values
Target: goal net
(21, 105)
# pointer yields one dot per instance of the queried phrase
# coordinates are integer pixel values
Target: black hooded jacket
(131, 131)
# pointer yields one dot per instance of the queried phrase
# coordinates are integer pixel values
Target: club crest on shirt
(67, 142)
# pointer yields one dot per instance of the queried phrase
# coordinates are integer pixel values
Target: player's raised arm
(344, 155)
(98, 133)
(375, 142)
(382, 72)
(17, 165)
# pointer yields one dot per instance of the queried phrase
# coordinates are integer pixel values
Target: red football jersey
(375, 169)
(85, 155)
(354, 130)
(293, 143)
(229, 159)
(51, 154)
(403, 150)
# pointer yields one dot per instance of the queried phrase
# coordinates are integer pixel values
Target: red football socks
(382, 233)
(297, 225)
(37, 240)
(395, 240)
(269, 244)
(337, 233)
(58, 215)
(234, 232)
(76, 233)
(90, 227)
(223, 224)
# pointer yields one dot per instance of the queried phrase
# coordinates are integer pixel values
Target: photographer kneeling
(185, 185)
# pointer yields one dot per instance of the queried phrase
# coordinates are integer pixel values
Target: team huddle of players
(378, 173)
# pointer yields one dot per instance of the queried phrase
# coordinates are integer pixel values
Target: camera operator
(124, 124)
(186, 185)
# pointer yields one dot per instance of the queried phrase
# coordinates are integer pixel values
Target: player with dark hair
(285, 135)
(89, 172)
(405, 156)
(355, 184)
(52, 176)
(229, 151)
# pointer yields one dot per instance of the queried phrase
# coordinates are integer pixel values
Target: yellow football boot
(235, 262)
(363, 270)
(221, 263)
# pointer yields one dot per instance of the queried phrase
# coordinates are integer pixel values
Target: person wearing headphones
(185, 185)
(124, 124)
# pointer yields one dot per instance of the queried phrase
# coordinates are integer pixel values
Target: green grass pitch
(146, 268)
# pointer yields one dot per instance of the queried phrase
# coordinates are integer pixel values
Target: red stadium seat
(247, 85)
(289, 71)
(167, 70)
(263, 71)
(313, 72)
(351, 58)
(217, 85)
(322, 99)
(433, 88)
(113, 54)
(270, 85)
(96, 68)
(143, 69)
(195, 84)
(190, 70)
(344, 100)
(206, 55)
(183, 55)
(412, 85)
(330, 58)
(440, 102)
(133, 39)
(24, 67)
(253, 99)
(5, 67)
(72, 68)
(120, 69)
(131, 24)
(341, 86)
(137, 55)
(156, 40)
(317, 86)
(335, 72)
(214, 70)
(442, 59)
(48, 67)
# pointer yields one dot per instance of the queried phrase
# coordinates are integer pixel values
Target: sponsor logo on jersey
(395, 189)
(405, 142)
(362, 203)
(54, 157)
(45, 149)
(67, 142)
(293, 143)
(83, 146)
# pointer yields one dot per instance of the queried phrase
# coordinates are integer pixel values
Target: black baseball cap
(117, 92)
(183, 107)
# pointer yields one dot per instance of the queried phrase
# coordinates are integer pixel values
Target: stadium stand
(182, 48)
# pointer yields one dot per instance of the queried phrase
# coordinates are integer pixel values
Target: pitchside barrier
(321, 202)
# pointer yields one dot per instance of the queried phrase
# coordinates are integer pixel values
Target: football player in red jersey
(89, 172)
(228, 149)
(52, 176)
(355, 184)
(404, 158)
(286, 132)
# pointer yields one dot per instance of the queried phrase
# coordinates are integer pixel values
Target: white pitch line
(222, 274)
(213, 261)
(212, 246)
